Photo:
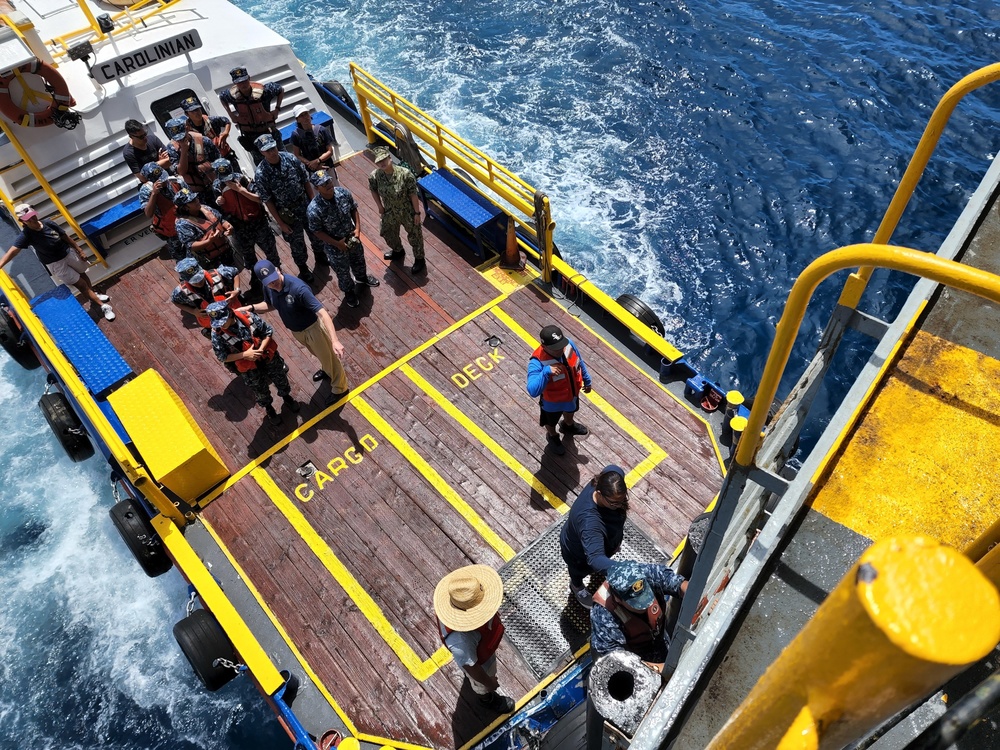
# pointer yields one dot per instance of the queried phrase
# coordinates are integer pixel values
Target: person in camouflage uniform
(242, 208)
(394, 189)
(628, 610)
(156, 197)
(246, 341)
(283, 185)
(202, 231)
(333, 218)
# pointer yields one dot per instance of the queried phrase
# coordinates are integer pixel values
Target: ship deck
(343, 519)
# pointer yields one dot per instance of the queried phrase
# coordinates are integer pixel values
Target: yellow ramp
(172, 446)
(921, 459)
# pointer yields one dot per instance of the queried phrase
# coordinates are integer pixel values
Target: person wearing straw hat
(467, 605)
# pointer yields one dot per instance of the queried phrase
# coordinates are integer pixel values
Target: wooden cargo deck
(344, 519)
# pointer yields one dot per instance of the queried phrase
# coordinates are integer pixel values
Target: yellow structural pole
(908, 616)
(987, 541)
(802, 734)
(906, 259)
(918, 162)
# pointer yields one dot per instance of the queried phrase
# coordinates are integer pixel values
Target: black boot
(290, 403)
(305, 274)
(496, 702)
(272, 416)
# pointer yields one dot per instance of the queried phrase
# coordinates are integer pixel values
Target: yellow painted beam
(216, 601)
(802, 734)
(421, 669)
(895, 628)
(436, 481)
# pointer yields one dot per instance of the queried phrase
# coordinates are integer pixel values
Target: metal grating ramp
(541, 620)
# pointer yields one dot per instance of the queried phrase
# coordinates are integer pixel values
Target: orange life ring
(56, 93)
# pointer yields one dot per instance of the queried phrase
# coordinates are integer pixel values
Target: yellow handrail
(855, 286)
(905, 259)
(60, 45)
(119, 452)
(40, 178)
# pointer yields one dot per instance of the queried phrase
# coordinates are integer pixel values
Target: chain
(221, 662)
(191, 601)
(114, 489)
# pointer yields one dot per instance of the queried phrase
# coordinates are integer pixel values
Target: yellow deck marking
(306, 426)
(890, 480)
(656, 453)
(280, 628)
(506, 280)
(431, 475)
(508, 460)
(420, 669)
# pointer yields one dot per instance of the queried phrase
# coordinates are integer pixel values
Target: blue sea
(698, 154)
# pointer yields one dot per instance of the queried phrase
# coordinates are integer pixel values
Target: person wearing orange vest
(156, 196)
(629, 611)
(200, 288)
(467, 604)
(191, 156)
(556, 375)
(202, 231)
(249, 105)
(246, 341)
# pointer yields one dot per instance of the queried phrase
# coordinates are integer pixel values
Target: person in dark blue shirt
(594, 529)
(307, 319)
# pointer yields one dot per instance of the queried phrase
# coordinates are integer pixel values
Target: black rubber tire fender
(10, 340)
(203, 641)
(642, 311)
(142, 541)
(66, 426)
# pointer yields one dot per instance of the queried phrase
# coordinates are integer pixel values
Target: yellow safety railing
(61, 44)
(905, 259)
(120, 454)
(44, 185)
(894, 629)
(377, 102)
(855, 286)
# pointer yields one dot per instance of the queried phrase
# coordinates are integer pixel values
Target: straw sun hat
(467, 598)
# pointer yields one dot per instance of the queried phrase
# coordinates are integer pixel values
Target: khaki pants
(315, 339)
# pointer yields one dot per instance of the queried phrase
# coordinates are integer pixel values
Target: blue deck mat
(114, 215)
(99, 364)
(457, 200)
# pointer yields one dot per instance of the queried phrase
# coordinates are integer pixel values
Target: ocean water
(698, 154)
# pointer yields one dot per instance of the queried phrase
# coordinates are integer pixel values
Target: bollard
(734, 400)
(622, 689)
(893, 630)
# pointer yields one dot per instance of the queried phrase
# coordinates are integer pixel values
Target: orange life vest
(250, 114)
(208, 131)
(164, 214)
(218, 245)
(561, 388)
(490, 636)
(239, 207)
(639, 631)
(195, 178)
(217, 288)
(243, 365)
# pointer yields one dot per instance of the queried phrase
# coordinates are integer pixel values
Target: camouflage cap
(190, 104)
(184, 196)
(265, 142)
(153, 172)
(321, 177)
(628, 584)
(218, 313)
(381, 154)
(176, 128)
(224, 170)
(239, 75)
(186, 268)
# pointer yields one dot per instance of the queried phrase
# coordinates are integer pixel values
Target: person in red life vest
(467, 604)
(629, 611)
(202, 231)
(191, 156)
(243, 209)
(249, 105)
(200, 288)
(246, 341)
(556, 375)
(216, 127)
(156, 196)
(58, 252)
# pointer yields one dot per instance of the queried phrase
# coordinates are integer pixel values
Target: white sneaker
(103, 297)
(109, 314)
(583, 597)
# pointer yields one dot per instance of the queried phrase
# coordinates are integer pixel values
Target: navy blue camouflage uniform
(285, 184)
(248, 234)
(188, 233)
(173, 244)
(226, 341)
(334, 217)
(608, 632)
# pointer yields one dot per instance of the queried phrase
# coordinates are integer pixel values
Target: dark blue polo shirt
(297, 306)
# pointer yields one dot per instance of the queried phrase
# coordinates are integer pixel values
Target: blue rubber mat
(98, 363)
